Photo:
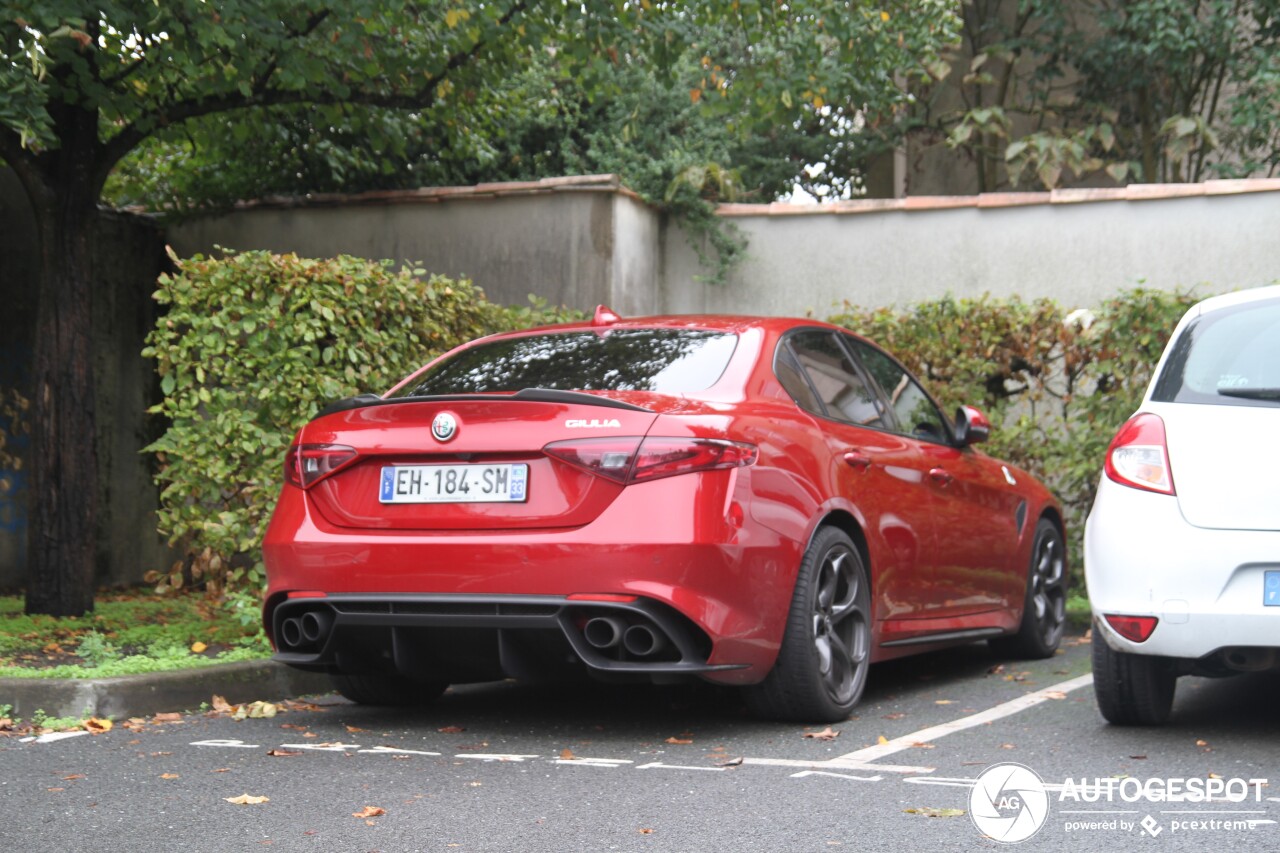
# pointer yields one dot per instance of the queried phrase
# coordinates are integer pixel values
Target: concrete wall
(1076, 246)
(573, 241)
(586, 241)
(128, 257)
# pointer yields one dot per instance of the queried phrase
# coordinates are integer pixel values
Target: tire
(1044, 609)
(822, 664)
(1132, 690)
(388, 690)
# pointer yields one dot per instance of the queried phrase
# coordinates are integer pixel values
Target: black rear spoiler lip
(526, 395)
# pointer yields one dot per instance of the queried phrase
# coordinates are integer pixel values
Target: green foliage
(251, 347)
(1055, 385)
(1149, 90)
(752, 91)
(125, 635)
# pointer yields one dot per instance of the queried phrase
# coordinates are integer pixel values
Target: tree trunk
(63, 483)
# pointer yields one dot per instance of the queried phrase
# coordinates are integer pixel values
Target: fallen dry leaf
(944, 702)
(355, 729)
(645, 831)
(826, 734)
(255, 711)
(682, 741)
(451, 730)
(369, 811)
(1007, 746)
(73, 777)
(221, 770)
(732, 762)
(221, 705)
(922, 745)
(897, 715)
(283, 753)
(1055, 694)
(567, 755)
(1138, 757)
(1215, 776)
(247, 800)
(882, 740)
(169, 776)
(198, 647)
(96, 725)
(168, 717)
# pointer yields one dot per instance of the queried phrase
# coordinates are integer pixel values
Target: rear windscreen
(1229, 357)
(668, 361)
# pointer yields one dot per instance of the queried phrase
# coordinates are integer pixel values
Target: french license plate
(1271, 589)
(453, 484)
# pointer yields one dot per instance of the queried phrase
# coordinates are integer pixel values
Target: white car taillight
(1139, 455)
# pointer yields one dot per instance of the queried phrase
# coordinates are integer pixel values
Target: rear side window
(832, 380)
(668, 361)
(1229, 357)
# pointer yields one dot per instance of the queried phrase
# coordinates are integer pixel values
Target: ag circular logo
(1008, 803)
(444, 427)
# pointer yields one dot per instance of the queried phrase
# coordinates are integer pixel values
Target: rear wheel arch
(845, 522)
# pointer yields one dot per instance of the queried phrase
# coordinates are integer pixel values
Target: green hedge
(250, 347)
(1055, 384)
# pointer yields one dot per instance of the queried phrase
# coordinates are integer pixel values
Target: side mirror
(972, 426)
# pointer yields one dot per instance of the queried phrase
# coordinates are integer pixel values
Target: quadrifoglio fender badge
(608, 423)
(444, 427)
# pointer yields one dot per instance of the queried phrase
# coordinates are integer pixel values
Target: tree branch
(182, 111)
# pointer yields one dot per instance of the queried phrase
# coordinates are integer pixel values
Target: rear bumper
(728, 584)
(1205, 586)
(481, 637)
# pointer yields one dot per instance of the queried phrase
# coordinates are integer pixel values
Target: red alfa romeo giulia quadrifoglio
(768, 503)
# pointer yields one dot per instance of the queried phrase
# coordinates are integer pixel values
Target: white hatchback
(1182, 547)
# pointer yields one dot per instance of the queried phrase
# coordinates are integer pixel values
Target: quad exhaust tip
(611, 632)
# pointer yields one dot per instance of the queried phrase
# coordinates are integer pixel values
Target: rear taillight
(1139, 455)
(307, 464)
(633, 459)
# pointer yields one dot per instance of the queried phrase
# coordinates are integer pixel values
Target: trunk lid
(1220, 467)
(489, 473)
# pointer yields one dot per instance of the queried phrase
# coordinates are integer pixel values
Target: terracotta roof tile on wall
(1132, 192)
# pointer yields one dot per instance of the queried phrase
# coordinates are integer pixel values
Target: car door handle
(857, 459)
(941, 476)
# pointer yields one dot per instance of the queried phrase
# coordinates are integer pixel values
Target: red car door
(977, 521)
(881, 473)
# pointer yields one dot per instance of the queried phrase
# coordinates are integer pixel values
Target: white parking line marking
(395, 750)
(929, 735)
(658, 764)
(233, 744)
(595, 762)
(838, 764)
(481, 756)
(804, 773)
(50, 737)
(322, 747)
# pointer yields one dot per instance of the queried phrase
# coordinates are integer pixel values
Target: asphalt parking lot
(587, 767)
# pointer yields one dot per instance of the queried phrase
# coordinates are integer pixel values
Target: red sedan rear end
(651, 499)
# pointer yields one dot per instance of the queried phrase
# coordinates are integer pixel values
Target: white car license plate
(453, 484)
